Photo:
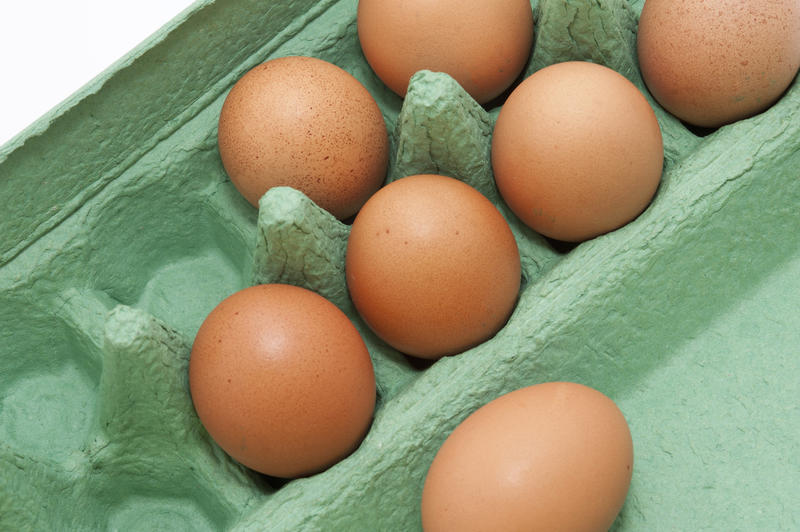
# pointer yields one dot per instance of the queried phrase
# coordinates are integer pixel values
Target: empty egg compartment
(97, 402)
(49, 382)
(97, 407)
(108, 275)
(169, 233)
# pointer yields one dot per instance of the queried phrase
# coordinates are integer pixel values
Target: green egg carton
(120, 231)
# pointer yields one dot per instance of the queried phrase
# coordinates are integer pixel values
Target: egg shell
(550, 457)
(577, 151)
(712, 63)
(281, 380)
(483, 45)
(432, 266)
(308, 124)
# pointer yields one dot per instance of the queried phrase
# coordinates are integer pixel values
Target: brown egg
(711, 63)
(577, 151)
(304, 123)
(482, 45)
(554, 456)
(282, 380)
(432, 266)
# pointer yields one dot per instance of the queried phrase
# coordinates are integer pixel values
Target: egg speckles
(305, 123)
(712, 63)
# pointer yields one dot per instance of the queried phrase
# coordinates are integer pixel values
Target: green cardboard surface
(119, 232)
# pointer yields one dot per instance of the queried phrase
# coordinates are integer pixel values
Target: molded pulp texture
(119, 232)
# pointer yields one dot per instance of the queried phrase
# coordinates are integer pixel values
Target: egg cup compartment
(48, 393)
(124, 443)
(121, 232)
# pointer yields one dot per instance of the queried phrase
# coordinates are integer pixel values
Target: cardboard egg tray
(120, 231)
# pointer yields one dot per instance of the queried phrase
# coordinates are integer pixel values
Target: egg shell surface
(712, 63)
(483, 45)
(308, 124)
(432, 266)
(282, 380)
(577, 151)
(556, 456)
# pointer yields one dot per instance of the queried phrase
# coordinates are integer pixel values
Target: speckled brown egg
(281, 380)
(482, 45)
(577, 151)
(304, 123)
(553, 456)
(432, 266)
(714, 62)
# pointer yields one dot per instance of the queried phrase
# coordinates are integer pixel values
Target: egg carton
(120, 231)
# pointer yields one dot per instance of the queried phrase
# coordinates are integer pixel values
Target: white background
(49, 49)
